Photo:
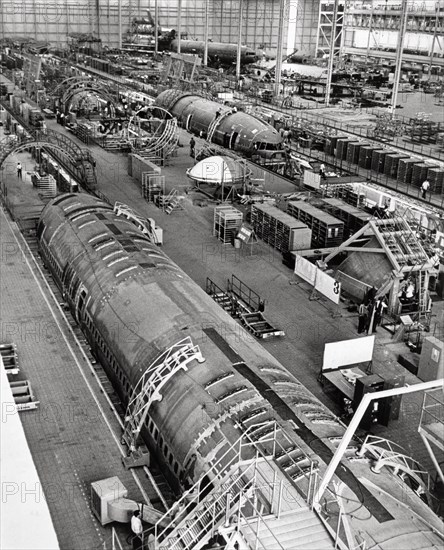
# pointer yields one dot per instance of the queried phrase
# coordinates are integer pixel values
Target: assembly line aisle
(73, 435)
(188, 240)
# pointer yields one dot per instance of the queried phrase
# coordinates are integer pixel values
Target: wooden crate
(327, 231)
(278, 229)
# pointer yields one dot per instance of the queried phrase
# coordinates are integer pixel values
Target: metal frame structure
(330, 27)
(75, 85)
(241, 482)
(180, 70)
(425, 19)
(147, 389)
(388, 454)
(144, 225)
(404, 252)
(431, 425)
(80, 160)
(356, 420)
(399, 52)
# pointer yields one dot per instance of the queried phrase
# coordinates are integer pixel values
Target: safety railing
(244, 293)
(203, 513)
(432, 411)
(389, 454)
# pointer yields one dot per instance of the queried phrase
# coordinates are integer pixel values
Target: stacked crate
(436, 179)
(405, 170)
(366, 155)
(278, 229)
(326, 230)
(349, 195)
(84, 132)
(419, 174)
(354, 218)
(378, 160)
(391, 164)
(353, 149)
(330, 144)
(341, 148)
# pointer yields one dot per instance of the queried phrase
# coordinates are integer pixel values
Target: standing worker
(192, 146)
(424, 188)
(19, 170)
(362, 318)
(137, 529)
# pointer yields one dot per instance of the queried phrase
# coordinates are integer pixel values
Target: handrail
(217, 509)
(191, 498)
(264, 522)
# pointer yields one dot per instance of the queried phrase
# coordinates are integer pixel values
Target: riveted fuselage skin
(217, 51)
(133, 302)
(237, 130)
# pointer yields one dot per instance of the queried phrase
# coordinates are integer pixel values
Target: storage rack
(353, 150)
(349, 195)
(353, 218)
(341, 148)
(84, 132)
(331, 144)
(327, 231)
(227, 221)
(152, 186)
(391, 164)
(366, 155)
(405, 170)
(436, 179)
(279, 229)
(424, 131)
(378, 159)
(420, 172)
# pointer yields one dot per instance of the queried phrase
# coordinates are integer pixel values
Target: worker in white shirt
(137, 529)
(424, 188)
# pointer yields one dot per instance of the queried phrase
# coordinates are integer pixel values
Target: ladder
(215, 123)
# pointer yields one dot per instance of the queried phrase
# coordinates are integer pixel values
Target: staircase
(300, 529)
(193, 531)
(225, 301)
(172, 202)
(90, 176)
(251, 499)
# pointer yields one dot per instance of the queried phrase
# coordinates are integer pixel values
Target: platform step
(293, 531)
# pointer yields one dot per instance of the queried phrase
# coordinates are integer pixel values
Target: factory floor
(73, 436)
(308, 324)
(79, 453)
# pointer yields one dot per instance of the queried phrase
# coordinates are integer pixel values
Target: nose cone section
(251, 56)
